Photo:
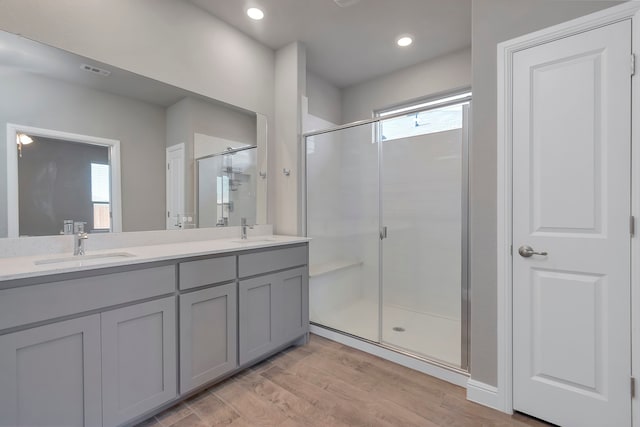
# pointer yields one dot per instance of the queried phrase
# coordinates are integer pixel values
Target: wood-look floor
(328, 384)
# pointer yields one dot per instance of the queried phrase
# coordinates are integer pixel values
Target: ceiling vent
(346, 3)
(95, 70)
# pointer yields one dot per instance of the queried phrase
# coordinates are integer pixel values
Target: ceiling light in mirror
(404, 41)
(23, 139)
(255, 13)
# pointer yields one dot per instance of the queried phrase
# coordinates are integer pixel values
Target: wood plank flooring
(328, 384)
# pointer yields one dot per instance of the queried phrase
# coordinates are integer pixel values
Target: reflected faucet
(243, 228)
(78, 247)
(78, 238)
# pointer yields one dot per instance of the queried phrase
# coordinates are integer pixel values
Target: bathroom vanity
(113, 339)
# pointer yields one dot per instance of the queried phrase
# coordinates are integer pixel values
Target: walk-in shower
(386, 208)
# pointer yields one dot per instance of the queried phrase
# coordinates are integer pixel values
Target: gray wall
(325, 100)
(494, 21)
(193, 115)
(140, 128)
(441, 74)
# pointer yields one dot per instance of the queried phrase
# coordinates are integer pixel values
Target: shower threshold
(394, 354)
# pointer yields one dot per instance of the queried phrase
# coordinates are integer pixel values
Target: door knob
(527, 251)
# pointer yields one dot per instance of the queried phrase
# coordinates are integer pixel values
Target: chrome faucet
(243, 228)
(79, 237)
(78, 247)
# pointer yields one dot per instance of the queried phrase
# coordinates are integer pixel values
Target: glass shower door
(343, 223)
(422, 210)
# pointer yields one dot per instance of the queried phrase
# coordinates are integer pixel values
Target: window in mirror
(100, 197)
(223, 199)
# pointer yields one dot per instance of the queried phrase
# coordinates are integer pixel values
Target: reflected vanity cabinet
(107, 348)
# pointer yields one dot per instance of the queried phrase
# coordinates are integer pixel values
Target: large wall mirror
(89, 145)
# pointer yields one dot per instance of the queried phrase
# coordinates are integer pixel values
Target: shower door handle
(383, 232)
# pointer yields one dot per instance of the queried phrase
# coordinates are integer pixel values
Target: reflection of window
(222, 192)
(430, 120)
(100, 196)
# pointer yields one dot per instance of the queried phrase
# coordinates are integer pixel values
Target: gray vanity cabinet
(50, 375)
(114, 357)
(138, 359)
(273, 308)
(208, 335)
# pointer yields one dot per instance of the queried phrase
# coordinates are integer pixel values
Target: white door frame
(12, 171)
(503, 397)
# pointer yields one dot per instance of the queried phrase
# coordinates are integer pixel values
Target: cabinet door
(274, 310)
(257, 319)
(208, 335)
(293, 304)
(50, 375)
(138, 359)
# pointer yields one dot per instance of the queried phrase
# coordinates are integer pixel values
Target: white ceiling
(352, 44)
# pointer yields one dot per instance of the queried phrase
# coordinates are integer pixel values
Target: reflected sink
(82, 259)
(255, 240)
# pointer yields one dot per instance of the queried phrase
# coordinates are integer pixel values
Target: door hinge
(633, 387)
(632, 225)
(633, 64)
(168, 166)
(168, 214)
(511, 250)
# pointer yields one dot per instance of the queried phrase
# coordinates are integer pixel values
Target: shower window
(423, 118)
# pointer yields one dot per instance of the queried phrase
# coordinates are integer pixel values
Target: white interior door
(571, 199)
(175, 186)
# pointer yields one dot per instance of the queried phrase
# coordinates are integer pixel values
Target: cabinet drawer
(207, 272)
(28, 304)
(271, 260)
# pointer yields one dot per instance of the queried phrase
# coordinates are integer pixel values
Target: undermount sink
(96, 258)
(255, 240)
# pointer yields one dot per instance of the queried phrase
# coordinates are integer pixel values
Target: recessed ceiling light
(404, 41)
(255, 13)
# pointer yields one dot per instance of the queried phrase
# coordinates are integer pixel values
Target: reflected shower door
(226, 188)
(422, 205)
(343, 223)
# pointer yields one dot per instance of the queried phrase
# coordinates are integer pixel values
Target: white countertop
(13, 268)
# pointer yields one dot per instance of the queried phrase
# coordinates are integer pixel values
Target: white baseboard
(444, 374)
(484, 394)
